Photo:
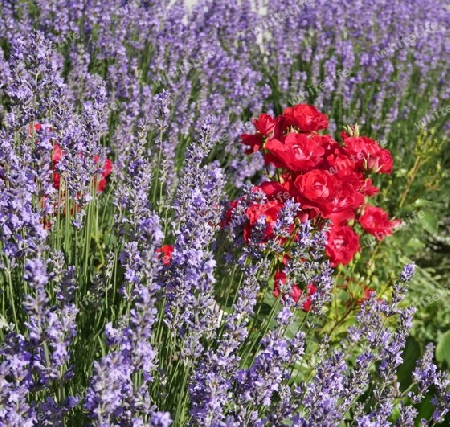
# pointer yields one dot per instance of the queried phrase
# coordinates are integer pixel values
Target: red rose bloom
(296, 292)
(306, 306)
(345, 197)
(338, 162)
(296, 152)
(344, 135)
(368, 153)
(368, 189)
(342, 245)
(376, 221)
(280, 278)
(57, 153)
(255, 142)
(318, 189)
(165, 253)
(326, 142)
(358, 181)
(269, 210)
(281, 126)
(381, 161)
(330, 147)
(342, 218)
(367, 292)
(264, 124)
(228, 215)
(273, 190)
(317, 186)
(56, 180)
(306, 117)
(107, 169)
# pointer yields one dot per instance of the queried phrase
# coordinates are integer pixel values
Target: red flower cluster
(330, 180)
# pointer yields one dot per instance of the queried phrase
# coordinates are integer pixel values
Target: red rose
(381, 161)
(342, 218)
(269, 210)
(255, 142)
(165, 253)
(306, 117)
(326, 142)
(338, 161)
(359, 148)
(56, 180)
(296, 152)
(264, 124)
(344, 135)
(306, 306)
(317, 186)
(296, 292)
(56, 158)
(227, 216)
(38, 127)
(366, 152)
(330, 147)
(342, 245)
(107, 169)
(273, 190)
(318, 189)
(376, 221)
(348, 194)
(368, 189)
(361, 144)
(367, 292)
(349, 176)
(280, 279)
(281, 126)
(345, 197)
(57, 153)
(358, 181)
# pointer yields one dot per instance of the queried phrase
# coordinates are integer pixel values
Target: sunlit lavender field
(224, 213)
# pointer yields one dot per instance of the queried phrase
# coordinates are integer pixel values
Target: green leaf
(410, 356)
(263, 309)
(428, 221)
(425, 407)
(443, 348)
(401, 172)
(415, 243)
(419, 203)
(405, 211)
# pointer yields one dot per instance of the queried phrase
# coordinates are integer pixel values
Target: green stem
(11, 294)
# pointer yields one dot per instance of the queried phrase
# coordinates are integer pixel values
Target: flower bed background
(120, 139)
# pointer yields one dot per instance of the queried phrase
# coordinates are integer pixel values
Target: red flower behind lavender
(165, 254)
(57, 156)
(295, 293)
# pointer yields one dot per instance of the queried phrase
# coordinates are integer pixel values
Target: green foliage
(443, 349)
